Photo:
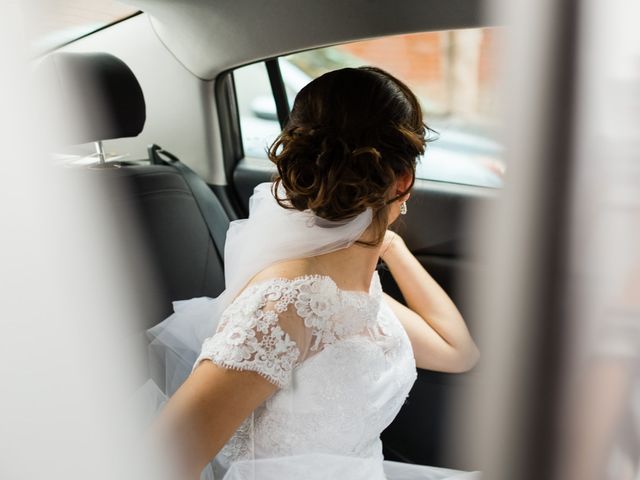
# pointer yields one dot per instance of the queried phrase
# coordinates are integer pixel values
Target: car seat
(181, 222)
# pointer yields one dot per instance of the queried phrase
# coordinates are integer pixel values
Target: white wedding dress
(341, 360)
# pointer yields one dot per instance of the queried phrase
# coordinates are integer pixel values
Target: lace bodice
(341, 359)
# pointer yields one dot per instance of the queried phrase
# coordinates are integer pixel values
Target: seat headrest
(96, 96)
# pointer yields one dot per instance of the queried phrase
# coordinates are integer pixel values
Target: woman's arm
(203, 414)
(251, 355)
(438, 334)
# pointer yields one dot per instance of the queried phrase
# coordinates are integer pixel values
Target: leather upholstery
(168, 225)
(171, 231)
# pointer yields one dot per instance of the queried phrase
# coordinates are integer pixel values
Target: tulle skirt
(316, 466)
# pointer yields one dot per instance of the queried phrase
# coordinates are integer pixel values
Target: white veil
(271, 234)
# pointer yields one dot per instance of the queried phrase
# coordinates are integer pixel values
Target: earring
(403, 208)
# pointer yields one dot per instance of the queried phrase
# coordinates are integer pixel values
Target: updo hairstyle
(350, 135)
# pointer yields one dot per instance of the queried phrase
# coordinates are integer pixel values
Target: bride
(295, 370)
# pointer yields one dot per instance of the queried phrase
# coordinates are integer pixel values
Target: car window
(452, 72)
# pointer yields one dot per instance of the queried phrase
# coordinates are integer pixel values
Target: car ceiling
(178, 49)
(210, 36)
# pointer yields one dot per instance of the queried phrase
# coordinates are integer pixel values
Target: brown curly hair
(350, 135)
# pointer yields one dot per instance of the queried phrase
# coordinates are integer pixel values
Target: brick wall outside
(427, 63)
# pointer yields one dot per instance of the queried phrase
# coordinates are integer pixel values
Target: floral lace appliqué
(250, 337)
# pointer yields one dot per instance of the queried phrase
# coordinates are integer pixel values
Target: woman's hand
(390, 237)
(438, 333)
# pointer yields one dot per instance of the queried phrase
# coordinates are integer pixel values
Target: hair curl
(350, 135)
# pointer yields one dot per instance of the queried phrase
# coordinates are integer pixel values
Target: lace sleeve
(259, 332)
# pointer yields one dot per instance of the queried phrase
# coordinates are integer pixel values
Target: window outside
(453, 73)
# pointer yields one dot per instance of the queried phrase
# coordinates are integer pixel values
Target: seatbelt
(208, 204)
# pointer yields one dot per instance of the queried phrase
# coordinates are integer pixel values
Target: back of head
(351, 134)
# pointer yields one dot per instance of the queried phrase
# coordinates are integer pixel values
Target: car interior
(165, 102)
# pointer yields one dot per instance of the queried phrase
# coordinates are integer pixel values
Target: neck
(354, 266)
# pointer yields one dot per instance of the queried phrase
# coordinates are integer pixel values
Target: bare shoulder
(285, 269)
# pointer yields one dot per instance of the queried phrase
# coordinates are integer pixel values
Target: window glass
(453, 73)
